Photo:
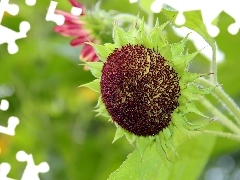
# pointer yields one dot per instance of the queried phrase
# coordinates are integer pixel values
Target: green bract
(145, 88)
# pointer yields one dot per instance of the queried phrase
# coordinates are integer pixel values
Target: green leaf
(193, 153)
(94, 85)
(95, 68)
(193, 21)
(142, 144)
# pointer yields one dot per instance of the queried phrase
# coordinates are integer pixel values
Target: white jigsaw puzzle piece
(31, 171)
(210, 10)
(58, 18)
(4, 170)
(7, 35)
(12, 123)
(51, 16)
(76, 11)
(4, 105)
(30, 2)
(12, 9)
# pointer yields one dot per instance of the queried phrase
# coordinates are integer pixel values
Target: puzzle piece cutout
(199, 43)
(7, 35)
(30, 2)
(58, 18)
(210, 10)
(12, 124)
(12, 9)
(4, 170)
(4, 105)
(31, 171)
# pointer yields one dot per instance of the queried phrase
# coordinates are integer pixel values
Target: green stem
(130, 18)
(222, 97)
(223, 134)
(214, 65)
(222, 118)
(150, 20)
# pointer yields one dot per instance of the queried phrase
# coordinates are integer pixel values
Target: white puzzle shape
(4, 170)
(4, 105)
(10, 129)
(31, 171)
(210, 9)
(51, 16)
(7, 35)
(30, 2)
(58, 18)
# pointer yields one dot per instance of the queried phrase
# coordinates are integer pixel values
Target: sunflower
(145, 86)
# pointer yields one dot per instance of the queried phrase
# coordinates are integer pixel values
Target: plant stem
(214, 64)
(222, 118)
(150, 20)
(130, 18)
(223, 134)
(222, 97)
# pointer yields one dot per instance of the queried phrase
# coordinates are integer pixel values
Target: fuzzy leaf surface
(193, 153)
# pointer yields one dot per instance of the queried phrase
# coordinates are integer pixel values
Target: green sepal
(192, 127)
(167, 133)
(146, 41)
(177, 119)
(185, 93)
(155, 35)
(195, 90)
(94, 85)
(120, 37)
(119, 133)
(165, 51)
(95, 68)
(178, 48)
(142, 26)
(130, 137)
(102, 111)
(181, 62)
(163, 145)
(133, 32)
(190, 107)
(190, 77)
(151, 139)
(169, 141)
(102, 51)
(100, 102)
(142, 144)
(159, 147)
(110, 46)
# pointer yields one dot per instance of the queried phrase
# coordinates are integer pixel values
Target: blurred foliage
(57, 122)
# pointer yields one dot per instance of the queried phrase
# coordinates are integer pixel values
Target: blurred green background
(57, 122)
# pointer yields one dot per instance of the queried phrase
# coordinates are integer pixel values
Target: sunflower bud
(144, 85)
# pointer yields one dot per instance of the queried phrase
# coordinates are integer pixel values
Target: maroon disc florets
(139, 89)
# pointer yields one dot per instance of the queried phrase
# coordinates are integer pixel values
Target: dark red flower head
(140, 89)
